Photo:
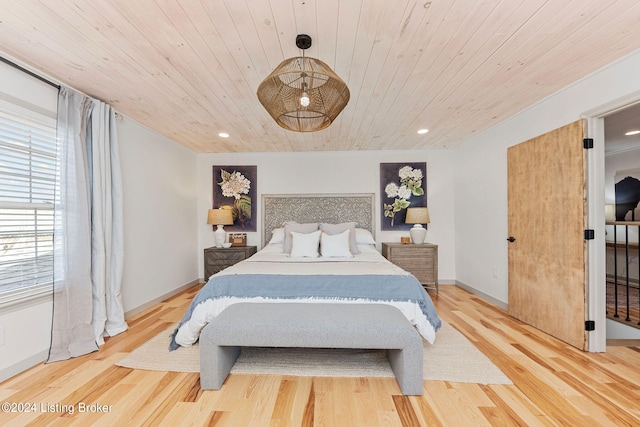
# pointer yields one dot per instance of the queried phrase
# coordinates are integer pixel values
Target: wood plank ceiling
(190, 69)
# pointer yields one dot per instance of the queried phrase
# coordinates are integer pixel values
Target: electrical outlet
(1, 335)
(495, 272)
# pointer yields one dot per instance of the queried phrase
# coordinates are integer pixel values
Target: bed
(346, 269)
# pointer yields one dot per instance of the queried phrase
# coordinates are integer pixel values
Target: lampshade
(303, 94)
(220, 217)
(417, 216)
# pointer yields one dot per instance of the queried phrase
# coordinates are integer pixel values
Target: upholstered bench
(361, 326)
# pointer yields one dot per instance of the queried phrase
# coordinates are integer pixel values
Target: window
(27, 191)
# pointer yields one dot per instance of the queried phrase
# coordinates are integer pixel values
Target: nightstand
(421, 260)
(216, 259)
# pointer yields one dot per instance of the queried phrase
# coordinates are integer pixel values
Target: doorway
(621, 159)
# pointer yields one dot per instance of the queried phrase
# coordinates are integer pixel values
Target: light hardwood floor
(554, 384)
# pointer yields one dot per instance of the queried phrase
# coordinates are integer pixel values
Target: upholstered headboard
(331, 208)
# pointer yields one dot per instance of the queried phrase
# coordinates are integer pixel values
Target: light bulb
(304, 99)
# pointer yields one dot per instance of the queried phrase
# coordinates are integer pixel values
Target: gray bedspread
(374, 288)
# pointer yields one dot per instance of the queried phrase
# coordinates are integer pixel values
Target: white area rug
(452, 358)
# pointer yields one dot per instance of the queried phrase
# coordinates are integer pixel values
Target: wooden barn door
(547, 217)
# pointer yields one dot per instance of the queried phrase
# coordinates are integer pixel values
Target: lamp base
(220, 236)
(418, 234)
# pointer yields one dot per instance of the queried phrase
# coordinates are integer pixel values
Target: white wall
(481, 171)
(160, 211)
(338, 172)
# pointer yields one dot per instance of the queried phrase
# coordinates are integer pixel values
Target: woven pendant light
(303, 94)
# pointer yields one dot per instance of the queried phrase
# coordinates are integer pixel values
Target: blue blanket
(397, 288)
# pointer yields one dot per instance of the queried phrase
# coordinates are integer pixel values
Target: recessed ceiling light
(633, 132)
(223, 135)
(423, 131)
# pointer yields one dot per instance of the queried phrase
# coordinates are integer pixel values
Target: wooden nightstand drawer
(424, 276)
(227, 256)
(217, 259)
(413, 263)
(411, 251)
(420, 260)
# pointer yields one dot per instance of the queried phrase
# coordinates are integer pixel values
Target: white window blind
(27, 191)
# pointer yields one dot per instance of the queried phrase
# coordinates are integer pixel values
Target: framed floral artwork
(401, 185)
(235, 188)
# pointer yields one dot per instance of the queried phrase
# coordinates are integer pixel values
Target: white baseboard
(23, 365)
(482, 295)
(42, 356)
(159, 299)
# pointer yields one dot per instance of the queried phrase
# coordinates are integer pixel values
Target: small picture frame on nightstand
(238, 239)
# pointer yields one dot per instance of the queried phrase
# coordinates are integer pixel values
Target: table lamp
(220, 217)
(417, 216)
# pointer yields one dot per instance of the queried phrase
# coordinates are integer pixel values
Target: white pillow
(277, 236)
(339, 228)
(305, 245)
(336, 245)
(298, 228)
(364, 237)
